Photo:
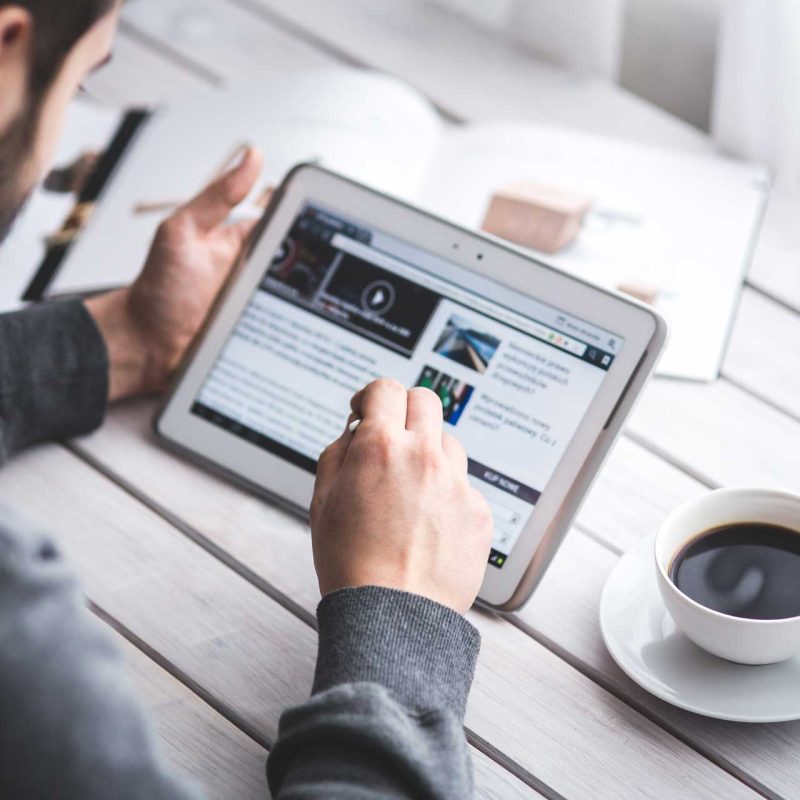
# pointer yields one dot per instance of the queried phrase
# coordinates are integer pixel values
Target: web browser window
(341, 305)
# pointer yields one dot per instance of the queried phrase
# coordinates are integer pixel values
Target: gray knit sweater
(393, 669)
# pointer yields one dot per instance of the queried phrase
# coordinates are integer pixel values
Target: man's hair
(57, 27)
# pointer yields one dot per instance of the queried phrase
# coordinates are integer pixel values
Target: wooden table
(211, 592)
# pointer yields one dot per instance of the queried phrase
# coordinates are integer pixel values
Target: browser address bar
(540, 331)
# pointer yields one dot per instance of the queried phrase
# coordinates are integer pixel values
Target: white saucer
(643, 640)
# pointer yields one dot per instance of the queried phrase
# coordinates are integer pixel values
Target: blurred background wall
(730, 67)
(662, 50)
(669, 51)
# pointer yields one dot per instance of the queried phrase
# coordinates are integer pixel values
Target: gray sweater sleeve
(385, 717)
(71, 725)
(53, 375)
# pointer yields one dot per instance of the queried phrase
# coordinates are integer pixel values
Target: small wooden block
(544, 217)
(645, 292)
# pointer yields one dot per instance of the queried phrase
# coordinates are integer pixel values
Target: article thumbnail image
(460, 342)
(299, 268)
(302, 260)
(453, 393)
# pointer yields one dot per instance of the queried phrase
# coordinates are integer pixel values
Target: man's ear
(16, 29)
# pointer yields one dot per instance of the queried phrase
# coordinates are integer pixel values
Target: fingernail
(239, 157)
(245, 213)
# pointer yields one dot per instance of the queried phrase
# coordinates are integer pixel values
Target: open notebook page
(685, 223)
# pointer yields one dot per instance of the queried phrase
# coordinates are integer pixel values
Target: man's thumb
(212, 206)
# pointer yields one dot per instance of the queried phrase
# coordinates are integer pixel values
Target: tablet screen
(342, 304)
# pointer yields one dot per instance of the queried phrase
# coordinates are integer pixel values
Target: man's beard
(16, 143)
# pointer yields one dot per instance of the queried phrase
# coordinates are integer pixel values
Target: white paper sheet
(368, 126)
(683, 222)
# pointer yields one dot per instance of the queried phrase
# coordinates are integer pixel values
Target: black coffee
(747, 570)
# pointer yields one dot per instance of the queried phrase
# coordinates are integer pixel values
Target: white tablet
(536, 370)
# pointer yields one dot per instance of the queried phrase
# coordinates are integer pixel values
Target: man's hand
(392, 505)
(148, 326)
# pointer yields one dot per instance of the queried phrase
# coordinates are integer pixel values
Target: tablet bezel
(481, 257)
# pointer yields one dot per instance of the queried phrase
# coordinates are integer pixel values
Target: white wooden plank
(458, 65)
(198, 741)
(592, 733)
(776, 260)
(764, 351)
(518, 681)
(492, 782)
(719, 433)
(225, 635)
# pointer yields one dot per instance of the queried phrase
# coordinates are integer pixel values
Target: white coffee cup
(747, 641)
